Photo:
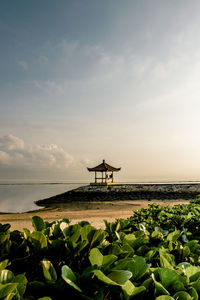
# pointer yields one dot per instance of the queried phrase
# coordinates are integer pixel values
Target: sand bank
(93, 212)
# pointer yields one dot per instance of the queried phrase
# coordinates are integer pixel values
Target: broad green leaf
(56, 230)
(76, 233)
(167, 276)
(196, 285)
(166, 259)
(44, 298)
(87, 232)
(22, 283)
(147, 283)
(137, 265)
(98, 237)
(130, 239)
(184, 265)
(130, 290)
(4, 238)
(193, 293)
(38, 223)
(80, 246)
(120, 276)
(115, 249)
(6, 276)
(4, 264)
(173, 236)
(38, 240)
(193, 273)
(95, 257)
(186, 251)
(159, 288)
(26, 232)
(6, 289)
(135, 242)
(48, 270)
(108, 260)
(11, 296)
(126, 248)
(193, 245)
(164, 297)
(182, 296)
(101, 276)
(69, 277)
(87, 273)
(164, 232)
(157, 235)
(150, 254)
(178, 285)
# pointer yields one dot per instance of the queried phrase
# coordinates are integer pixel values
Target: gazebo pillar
(95, 177)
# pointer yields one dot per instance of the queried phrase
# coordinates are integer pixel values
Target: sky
(86, 80)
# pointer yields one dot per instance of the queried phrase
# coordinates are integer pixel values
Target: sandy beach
(94, 212)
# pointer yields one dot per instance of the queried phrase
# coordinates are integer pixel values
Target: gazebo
(106, 171)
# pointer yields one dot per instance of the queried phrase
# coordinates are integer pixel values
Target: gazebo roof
(103, 167)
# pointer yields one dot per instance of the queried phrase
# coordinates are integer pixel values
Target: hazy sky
(85, 80)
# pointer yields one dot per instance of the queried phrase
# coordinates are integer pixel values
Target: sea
(20, 196)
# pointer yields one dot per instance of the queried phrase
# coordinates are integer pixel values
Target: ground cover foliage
(155, 254)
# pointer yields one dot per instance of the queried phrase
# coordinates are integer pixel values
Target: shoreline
(96, 203)
(95, 213)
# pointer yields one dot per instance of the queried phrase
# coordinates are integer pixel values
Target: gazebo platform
(104, 183)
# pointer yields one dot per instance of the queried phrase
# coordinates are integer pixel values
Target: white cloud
(4, 158)
(10, 143)
(15, 154)
(23, 64)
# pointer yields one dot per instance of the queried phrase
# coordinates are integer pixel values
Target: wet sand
(93, 212)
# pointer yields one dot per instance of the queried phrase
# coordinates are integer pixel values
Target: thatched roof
(103, 167)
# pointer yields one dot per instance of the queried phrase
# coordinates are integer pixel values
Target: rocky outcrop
(125, 192)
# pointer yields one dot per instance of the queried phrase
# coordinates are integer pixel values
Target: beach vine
(154, 254)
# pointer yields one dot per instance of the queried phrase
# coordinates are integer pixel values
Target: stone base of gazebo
(103, 183)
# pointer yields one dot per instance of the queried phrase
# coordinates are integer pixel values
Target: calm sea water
(21, 197)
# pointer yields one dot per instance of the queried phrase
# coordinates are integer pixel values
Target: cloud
(10, 143)
(23, 64)
(14, 153)
(4, 158)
